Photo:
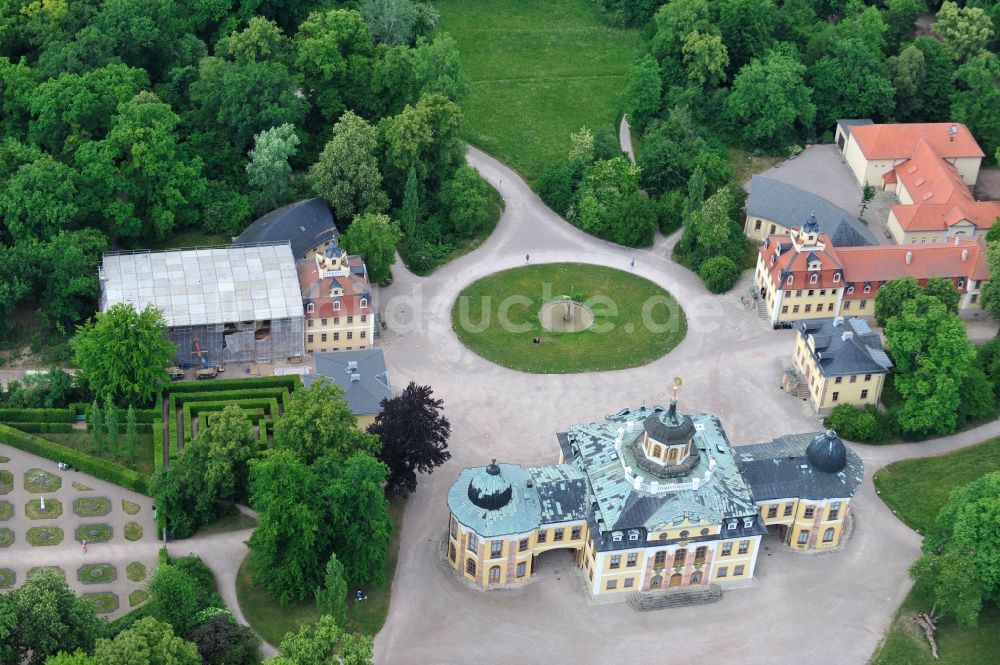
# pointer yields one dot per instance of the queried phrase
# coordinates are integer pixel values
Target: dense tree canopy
(318, 422)
(124, 353)
(323, 643)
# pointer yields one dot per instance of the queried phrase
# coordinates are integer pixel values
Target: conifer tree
(111, 424)
(131, 436)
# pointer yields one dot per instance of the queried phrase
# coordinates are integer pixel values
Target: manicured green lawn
(620, 337)
(538, 71)
(917, 489)
(81, 441)
(272, 620)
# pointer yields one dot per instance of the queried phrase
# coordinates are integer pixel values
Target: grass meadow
(538, 71)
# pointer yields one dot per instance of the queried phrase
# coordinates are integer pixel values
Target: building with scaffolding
(222, 304)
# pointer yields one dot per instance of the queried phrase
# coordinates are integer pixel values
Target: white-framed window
(813, 278)
(732, 525)
(868, 288)
(747, 522)
(473, 542)
(336, 305)
(850, 289)
(789, 280)
(364, 303)
(616, 537)
(836, 277)
(310, 308)
(633, 535)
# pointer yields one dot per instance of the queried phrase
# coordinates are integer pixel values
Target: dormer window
(747, 522)
(364, 303)
(633, 535)
(616, 537)
(336, 305)
(813, 278)
(850, 289)
(732, 526)
(774, 259)
(836, 277)
(789, 280)
(868, 288)
(961, 282)
(310, 308)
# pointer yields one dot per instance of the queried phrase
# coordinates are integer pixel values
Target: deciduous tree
(643, 88)
(747, 28)
(332, 49)
(893, 295)
(222, 641)
(268, 171)
(705, 58)
(932, 356)
(390, 21)
(976, 99)
(347, 173)
(71, 289)
(124, 353)
(375, 238)
(952, 583)
(465, 199)
(173, 598)
(965, 31)
(147, 642)
(331, 598)
(323, 643)
(414, 434)
(849, 83)
(40, 199)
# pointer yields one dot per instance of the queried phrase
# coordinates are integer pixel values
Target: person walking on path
(632, 264)
(527, 258)
(84, 546)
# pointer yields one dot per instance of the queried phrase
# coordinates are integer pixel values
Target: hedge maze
(60, 434)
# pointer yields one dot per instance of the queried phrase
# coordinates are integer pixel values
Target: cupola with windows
(668, 441)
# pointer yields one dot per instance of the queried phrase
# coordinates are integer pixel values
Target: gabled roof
(899, 140)
(956, 258)
(842, 347)
(304, 224)
(790, 206)
(930, 179)
(941, 217)
(790, 261)
(363, 396)
(781, 469)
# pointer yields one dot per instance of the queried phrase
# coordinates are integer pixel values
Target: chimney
(965, 255)
(848, 334)
(352, 366)
(956, 241)
(952, 130)
(838, 321)
(355, 378)
(909, 258)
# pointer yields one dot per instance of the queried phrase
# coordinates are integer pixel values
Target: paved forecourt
(731, 367)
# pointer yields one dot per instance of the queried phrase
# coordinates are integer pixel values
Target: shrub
(670, 211)
(719, 273)
(631, 220)
(46, 428)
(37, 416)
(289, 381)
(557, 186)
(867, 425)
(100, 468)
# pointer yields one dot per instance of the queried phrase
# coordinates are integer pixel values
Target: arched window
(470, 567)
(675, 579)
(657, 452)
(828, 535)
(696, 577)
(494, 574)
(672, 458)
(704, 532)
(656, 583)
(685, 534)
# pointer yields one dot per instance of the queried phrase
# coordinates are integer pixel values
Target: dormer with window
(336, 305)
(364, 303)
(850, 288)
(788, 280)
(868, 288)
(836, 278)
(813, 278)
(310, 308)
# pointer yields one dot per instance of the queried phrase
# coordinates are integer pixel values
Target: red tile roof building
(803, 276)
(927, 165)
(338, 303)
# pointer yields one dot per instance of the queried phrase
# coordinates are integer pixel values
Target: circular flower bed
(97, 573)
(7, 578)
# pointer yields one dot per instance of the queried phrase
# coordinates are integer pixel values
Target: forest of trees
(126, 122)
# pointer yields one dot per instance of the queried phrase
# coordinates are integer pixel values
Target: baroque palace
(651, 499)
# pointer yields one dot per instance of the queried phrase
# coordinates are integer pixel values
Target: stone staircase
(796, 383)
(659, 599)
(756, 303)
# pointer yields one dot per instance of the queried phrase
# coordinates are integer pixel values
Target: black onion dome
(669, 427)
(488, 489)
(827, 452)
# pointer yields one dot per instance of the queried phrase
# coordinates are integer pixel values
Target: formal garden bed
(133, 531)
(130, 508)
(634, 320)
(104, 602)
(97, 573)
(6, 510)
(80, 487)
(33, 509)
(39, 481)
(39, 570)
(135, 571)
(6, 537)
(6, 481)
(8, 578)
(41, 536)
(916, 489)
(138, 597)
(94, 533)
(92, 506)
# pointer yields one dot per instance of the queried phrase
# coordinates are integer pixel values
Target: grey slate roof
(364, 396)
(845, 346)
(304, 224)
(780, 469)
(790, 206)
(846, 123)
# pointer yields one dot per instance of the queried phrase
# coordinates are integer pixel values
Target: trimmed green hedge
(173, 452)
(99, 468)
(290, 381)
(45, 428)
(157, 444)
(37, 416)
(230, 395)
(194, 408)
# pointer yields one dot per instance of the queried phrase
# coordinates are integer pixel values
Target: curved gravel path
(731, 366)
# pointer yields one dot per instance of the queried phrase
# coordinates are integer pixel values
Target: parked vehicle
(209, 373)
(176, 373)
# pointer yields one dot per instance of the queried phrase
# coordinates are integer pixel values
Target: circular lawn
(634, 320)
